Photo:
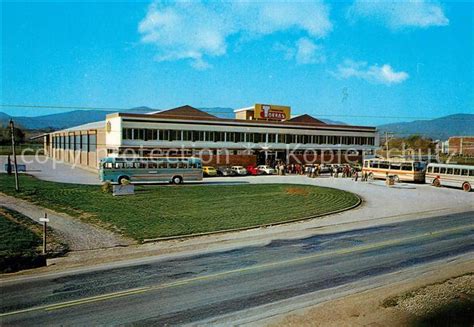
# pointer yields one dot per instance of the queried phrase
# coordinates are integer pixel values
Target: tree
(5, 135)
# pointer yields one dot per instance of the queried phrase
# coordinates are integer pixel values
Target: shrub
(107, 187)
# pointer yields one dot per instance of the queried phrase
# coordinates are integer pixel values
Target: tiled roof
(306, 119)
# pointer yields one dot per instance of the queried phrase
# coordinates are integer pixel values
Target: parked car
(239, 170)
(209, 171)
(266, 170)
(225, 171)
(252, 170)
(325, 169)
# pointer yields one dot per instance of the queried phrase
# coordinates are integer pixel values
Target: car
(209, 171)
(252, 170)
(225, 171)
(266, 170)
(239, 170)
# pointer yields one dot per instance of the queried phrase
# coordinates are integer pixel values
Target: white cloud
(304, 51)
(376, 74)
(399, 14)
(200, 30)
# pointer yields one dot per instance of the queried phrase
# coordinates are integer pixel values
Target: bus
(400, 169)
(150, 170)
(450, 175)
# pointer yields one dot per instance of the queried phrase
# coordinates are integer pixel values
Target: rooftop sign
(271, 112)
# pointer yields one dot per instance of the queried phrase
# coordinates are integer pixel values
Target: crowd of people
(315, 170)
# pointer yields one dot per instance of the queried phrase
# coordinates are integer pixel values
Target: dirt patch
(297, 191)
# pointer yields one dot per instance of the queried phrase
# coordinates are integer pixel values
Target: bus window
(162, 165)
(430, 169)
(108, 165)
(471, 172)
(449, 171)
(384, 165)
(442, 170)
(374, 164)
(436, 170)
(366, 164)
(181, 164)
(152, 165)
(407, 166)
(172, 165)
(464, 172)
(457, 171)
(395, 166)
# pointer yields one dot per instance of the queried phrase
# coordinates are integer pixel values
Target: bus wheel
(123, 180)
(177, 180)
(436, 182)
(466, 187)
(396, 179)
(370, 177)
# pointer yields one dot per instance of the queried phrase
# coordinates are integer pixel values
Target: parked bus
(451, 175)
(400, 169)
(150, 170)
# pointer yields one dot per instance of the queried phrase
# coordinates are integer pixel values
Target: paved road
(201, 287)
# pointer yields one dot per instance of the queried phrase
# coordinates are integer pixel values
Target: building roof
(188, 113)
(183, 112)
(306, 119)
(94, 125)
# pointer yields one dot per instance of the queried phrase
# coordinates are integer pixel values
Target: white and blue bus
(150, 170)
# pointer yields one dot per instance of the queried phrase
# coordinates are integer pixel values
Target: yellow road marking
(361, 248)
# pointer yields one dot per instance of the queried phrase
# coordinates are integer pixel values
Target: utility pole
(12, 129)
(386, 144)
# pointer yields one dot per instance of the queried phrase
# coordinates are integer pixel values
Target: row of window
(405, 166)
(86, 143)
(152, 165)
(238, 137)
(451, 171)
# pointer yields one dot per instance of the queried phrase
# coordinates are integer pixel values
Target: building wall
(462, 145)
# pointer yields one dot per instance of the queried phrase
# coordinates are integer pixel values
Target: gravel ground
(430, 299)
(78, 235)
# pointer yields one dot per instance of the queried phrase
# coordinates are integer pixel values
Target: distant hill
(80, 117)
(439, 129)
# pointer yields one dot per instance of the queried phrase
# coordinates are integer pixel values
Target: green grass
(160, 211)
(32, 149)
(16, 238)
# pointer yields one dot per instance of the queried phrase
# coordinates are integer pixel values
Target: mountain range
(438, 128)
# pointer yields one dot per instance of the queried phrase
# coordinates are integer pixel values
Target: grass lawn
(19, 245)
(162, 210)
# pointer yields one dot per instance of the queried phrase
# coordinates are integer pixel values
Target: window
(471, 172)
(418, 166)
(77, 140)
(92, 143)
(72, 143)
(127, 133)
(197, 136)
(384, 165)
(436, 170)
(271, 138)
(449, 171)
(138, 134)
(219, 136)
(374, 164)
(464, 172)
(395, 166)
(457, 171)
(443, 170)
(187, 135)
(85, 143)
(407, 167)
(164, 135)
(430, 169)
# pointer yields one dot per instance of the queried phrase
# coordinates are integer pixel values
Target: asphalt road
(197, 288)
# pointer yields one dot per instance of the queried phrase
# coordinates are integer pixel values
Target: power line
(217, 112)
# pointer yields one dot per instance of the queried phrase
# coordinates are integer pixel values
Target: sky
(347, 61)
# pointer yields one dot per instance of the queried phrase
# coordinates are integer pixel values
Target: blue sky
(402, 59)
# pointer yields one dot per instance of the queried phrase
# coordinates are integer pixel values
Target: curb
(188, 236)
